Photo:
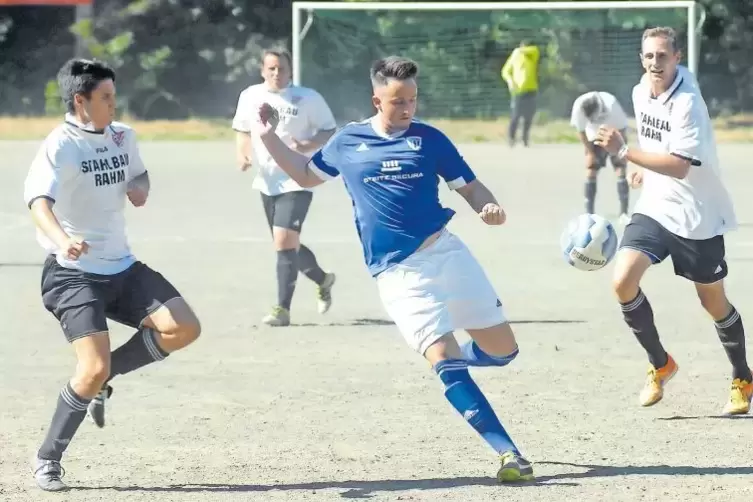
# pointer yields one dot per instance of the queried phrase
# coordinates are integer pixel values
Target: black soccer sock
(640, 318)
(309, 266)
(732, 335)
(287, 275)
(623, 193)
(69, 413)
(141, 349)
(590, 194)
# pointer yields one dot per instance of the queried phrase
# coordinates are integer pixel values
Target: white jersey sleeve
(242, 118)
(577, 117)
(686, 124)
(49, 166)
(320, 115)
(136, 166)
(618, 116)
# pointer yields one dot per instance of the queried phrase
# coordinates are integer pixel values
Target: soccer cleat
(96, 409)
(653, 390)
(48, 474)
(324, 293)
(624, 219)
(739, 398)
(514, 468)
(278, 317)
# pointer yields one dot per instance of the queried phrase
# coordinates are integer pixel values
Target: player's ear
(376, 102)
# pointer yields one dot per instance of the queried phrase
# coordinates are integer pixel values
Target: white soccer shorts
(438, 290)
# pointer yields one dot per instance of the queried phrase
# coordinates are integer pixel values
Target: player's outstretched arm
(481, 199)
(293, 163)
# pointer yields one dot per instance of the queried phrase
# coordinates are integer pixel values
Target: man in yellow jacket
(520, 71)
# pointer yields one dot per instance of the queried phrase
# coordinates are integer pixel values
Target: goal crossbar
(299, 7)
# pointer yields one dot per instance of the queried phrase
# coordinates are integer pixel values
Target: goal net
(461, 48)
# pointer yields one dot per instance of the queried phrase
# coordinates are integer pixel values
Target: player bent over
(591, 110)
(683, 212)
(76, 189)
(428, 280)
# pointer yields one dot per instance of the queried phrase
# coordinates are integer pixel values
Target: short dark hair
(393, 68)
(279, 53)
(591, 106)
(662, 32)
(81, 76)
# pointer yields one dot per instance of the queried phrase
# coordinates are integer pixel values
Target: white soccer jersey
(677, 122)
(303, 113)
(86, 174)
(610, 114)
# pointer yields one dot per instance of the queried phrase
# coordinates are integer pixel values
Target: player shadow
(387, 322)
(609, 471)
(353, 489)
(706, 417)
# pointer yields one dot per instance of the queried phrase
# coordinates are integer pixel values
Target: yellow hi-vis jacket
(520, 71)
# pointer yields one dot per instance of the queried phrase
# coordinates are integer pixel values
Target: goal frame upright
(299, 30)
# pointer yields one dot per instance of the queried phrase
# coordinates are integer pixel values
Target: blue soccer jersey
(394, 184)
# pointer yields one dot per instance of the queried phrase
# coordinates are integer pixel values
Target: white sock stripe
(73, 401)
(463, 367)
(635, 303)
(151, 345)
(729, 322)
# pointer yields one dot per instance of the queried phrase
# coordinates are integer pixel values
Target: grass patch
(730, 129)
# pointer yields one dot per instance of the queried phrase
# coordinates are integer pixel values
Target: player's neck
(384, 128)
(82, 123)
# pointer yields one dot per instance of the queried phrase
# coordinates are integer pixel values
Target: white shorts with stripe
(438, 290)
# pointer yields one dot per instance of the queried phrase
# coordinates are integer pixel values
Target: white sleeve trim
(456, 183)
(321, 174)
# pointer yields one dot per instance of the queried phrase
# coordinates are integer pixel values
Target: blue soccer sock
(474, 356)
(465, 396)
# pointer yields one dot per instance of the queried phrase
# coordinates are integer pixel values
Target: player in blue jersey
(428, 280)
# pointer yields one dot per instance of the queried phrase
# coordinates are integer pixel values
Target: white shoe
(324, 293)
(624, 219)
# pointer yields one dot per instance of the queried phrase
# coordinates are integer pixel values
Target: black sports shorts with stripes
(82, 302)
(700, 261)
(287, 210)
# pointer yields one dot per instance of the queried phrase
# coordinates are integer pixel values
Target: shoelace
(51, 468)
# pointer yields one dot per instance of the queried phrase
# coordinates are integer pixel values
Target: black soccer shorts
(700, 261)
(287, 210)
(82, 302)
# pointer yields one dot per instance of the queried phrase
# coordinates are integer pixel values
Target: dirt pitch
(337, 406)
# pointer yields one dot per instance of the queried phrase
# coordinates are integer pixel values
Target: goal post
(461, 47)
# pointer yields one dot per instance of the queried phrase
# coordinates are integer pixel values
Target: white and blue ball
(589, 242)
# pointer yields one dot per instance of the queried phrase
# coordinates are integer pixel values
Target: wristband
(622, 153)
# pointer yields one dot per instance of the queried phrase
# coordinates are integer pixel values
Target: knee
(625, 286)
(715, 303)
(93, 374)
(286, 239)
(188, 331)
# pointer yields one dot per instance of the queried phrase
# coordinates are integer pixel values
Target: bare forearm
(662, 163)
(317, 141)
(586, 143)
(140, 182)
(45, 220)
(242, 146)
(291, 162)
(478, 195)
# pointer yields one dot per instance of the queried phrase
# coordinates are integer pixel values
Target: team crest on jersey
(414, 142)
(118, 137)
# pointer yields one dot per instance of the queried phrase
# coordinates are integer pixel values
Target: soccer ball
(589, 242)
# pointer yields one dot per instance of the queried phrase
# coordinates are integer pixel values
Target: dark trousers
(523, 106)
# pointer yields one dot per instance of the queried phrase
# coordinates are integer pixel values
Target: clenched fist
(492, 214)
